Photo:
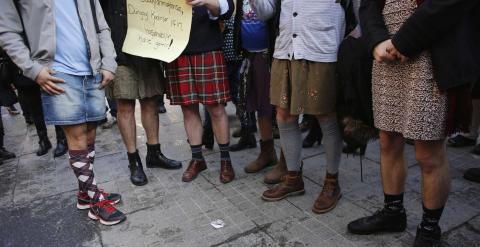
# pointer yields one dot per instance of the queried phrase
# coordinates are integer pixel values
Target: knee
(126, 107)
(284, 116)
(217, 111)
(390, 143)
(429, 162)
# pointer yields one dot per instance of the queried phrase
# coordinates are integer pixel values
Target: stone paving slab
(37, 198)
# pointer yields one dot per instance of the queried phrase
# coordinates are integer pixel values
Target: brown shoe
(275, 175)
(194, 168)
(291, 185)
(227, 174)
(328, 198)
(266, 158)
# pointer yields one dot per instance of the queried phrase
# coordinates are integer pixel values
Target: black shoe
(44, 144)
(350, 148)
(472, 174)
(314, 136)
(6, 155)
(476, 151)
(461, 141)
(155, 159)
(381, 221)
(426, 238)
(137, 175)
(61, 148)
(207, 138)
(247, 140)
(162, 109)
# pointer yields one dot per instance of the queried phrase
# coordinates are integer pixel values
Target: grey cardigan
(309, 29)
(39, 21)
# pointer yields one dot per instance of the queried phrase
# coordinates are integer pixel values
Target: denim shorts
(83, 101)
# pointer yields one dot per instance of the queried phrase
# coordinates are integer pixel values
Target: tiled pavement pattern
(37, 199)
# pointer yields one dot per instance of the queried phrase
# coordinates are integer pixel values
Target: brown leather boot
(266, 158)
(330, 195)
(194, 168)
(227, 174)
(291, 185)
(275, 175)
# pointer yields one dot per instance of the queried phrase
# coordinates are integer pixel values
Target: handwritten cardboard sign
(158, 29)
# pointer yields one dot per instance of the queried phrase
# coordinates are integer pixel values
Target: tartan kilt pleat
(200, 78)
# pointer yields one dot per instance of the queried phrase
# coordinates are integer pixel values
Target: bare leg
(150, 120)
(127, 124)
(219, 123)
(77, 136)
(91, 133)
(193, 124)
(432, 157)
(393, 167)
(265, 125)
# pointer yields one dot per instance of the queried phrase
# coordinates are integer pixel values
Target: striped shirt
(309, 29)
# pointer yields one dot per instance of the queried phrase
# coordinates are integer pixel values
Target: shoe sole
(322, 211)
(140, 184)
(375, 232)
(166, 168)
(296, 193)
(87, 206)
(103, 222)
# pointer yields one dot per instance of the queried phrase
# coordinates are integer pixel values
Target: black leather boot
(137, 175)
(208, 138)
(428, 238)
(44, 144)
(247, 140)
(5, 155)
(382, 221)
(315, 135)
(62, 145)
(155, 159)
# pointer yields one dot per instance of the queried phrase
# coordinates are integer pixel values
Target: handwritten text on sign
(158, 29)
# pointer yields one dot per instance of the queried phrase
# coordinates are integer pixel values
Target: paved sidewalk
(37, 199)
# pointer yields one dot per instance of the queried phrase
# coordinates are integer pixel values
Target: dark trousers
(112, 104)
(31, 102)
(2, 131)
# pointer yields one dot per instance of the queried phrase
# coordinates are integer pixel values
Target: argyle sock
(197, 152)
(430, 218)
(91, 158)
(83, 169)
(394, 203)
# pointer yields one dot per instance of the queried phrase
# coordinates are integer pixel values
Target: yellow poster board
(158, 29)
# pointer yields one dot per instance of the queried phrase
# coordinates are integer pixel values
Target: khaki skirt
(132, 82)
(303, 86)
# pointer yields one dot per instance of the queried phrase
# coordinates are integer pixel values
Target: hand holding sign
(158, 29)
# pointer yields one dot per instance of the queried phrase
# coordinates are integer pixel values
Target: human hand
(47, 82)
(197, 3)
(107, 77)
(381, 54)
(394, 52)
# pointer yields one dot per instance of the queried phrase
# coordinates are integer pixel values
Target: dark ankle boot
(247, 140)
(62, 146)
(5, 155)
(155, 159)
(428, 238)
(43, 144)
(383, 220)
(137, 175)
(207, 138)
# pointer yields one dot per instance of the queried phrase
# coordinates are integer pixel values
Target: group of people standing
(282, 64)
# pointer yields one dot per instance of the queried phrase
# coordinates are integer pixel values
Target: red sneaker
(106, 213)
(83, 200)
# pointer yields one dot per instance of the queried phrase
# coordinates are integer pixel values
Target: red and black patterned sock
(83, 169)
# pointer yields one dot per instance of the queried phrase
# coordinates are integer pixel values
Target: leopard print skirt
(406, 98)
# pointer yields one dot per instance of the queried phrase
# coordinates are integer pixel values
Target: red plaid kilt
(200, 78)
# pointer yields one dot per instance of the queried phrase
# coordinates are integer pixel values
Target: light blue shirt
(71, 56)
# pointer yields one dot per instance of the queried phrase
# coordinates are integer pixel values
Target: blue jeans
(83, 101)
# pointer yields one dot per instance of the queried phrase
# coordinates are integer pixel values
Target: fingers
(55, 79)
(52, 89)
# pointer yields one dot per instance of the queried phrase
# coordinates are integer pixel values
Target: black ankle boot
(382, 221)
(44, 144)
(137, 175)
(426, 238)
(155, 159)
(207, 138)
(314, 136)
(61, 148)
(6, 155)
(247, 140)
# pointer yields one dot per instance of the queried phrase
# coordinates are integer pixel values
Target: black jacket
(115, 13)
(450, 29)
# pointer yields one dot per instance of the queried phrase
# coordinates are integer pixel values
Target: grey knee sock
(291, 142)
(332, 142)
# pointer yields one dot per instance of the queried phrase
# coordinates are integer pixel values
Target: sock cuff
(73, 153)
(224, 147)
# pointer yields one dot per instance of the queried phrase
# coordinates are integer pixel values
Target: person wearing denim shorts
(71, 57)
